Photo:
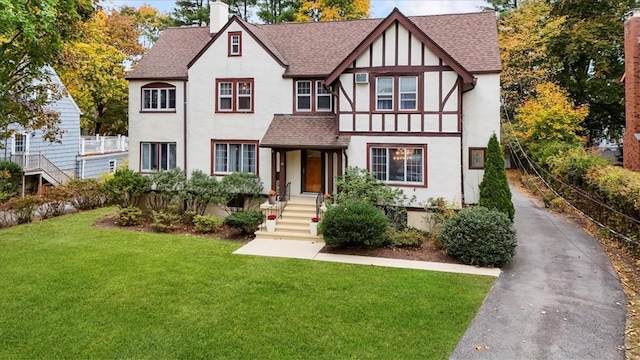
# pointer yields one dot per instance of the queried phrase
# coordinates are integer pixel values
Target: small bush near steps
(354, 223)
(247, 221)
(207, 223)
(410, 239)
(479, 236)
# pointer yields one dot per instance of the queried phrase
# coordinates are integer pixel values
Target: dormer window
(235, 44)
(159, 97)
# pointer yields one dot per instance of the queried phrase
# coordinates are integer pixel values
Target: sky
(379, 8)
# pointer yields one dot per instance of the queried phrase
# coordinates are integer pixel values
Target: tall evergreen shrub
(494, 188)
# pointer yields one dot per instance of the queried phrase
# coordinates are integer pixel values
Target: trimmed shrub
(199, 191)
(479, 236)
(126, 187)
(22, 209)
(165, 221)
(247, 221)
(207, 223)
(187, 216)
(165, 187)
(130, 216)
(494, 188)
(410, 238)
(56, 200)
(86, 193)
(10, 180)
(354, 223)
(239, 189)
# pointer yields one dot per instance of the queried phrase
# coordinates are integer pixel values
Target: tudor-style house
(412, 99)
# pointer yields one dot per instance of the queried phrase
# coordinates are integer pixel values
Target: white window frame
(112, 166)
(403, 151)
(244, 93)
(234, 41)
(170, 157)
(415, 93)
(237, 93)
(384, 96)
(225, 96)
(156, 93)
(308, 95)
(241, 150)
(321, 91)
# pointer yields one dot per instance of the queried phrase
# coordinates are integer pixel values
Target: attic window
(158, 97)
(235, 44)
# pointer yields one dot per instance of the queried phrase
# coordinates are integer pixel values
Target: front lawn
(70, 290)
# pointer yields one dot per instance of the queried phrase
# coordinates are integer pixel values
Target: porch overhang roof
(304, 132)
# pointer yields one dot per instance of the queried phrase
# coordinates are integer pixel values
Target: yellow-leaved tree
(327, 10)
(549, 116)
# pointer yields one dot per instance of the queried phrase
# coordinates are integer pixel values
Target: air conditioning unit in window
(362, 78)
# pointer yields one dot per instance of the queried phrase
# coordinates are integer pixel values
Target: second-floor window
(312, 96)
(396, 93)
(158, 97)
(234, 95)
(235, 44)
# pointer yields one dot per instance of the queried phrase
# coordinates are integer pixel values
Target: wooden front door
(312, 171)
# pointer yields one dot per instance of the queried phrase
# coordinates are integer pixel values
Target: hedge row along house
(412, 99)
(73, 156)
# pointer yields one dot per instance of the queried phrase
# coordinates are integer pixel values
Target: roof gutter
(184, 128)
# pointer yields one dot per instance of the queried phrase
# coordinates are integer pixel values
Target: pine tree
(494, 188)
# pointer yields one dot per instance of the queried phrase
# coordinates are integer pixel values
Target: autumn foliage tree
(549, 116)
(31, 37)
(327, 10)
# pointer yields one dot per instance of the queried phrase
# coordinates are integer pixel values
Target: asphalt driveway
(558, 299)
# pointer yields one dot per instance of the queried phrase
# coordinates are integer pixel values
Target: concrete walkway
(310, 250)
(558, 299)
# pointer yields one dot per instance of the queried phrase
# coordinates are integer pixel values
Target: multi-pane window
(157, 156)
(232, 157)
(18, 143)
(323, 97)
(235, 44)
(408, 93)
(312, 96)
(384, 93)
(396, 93)
(303, 95)
(159, 98)
(112, 166)
(398, 164)
(234, 95)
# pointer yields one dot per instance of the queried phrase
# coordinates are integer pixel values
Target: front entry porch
(305, 171)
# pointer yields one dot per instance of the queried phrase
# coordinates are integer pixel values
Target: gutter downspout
(184, 129)
(462, 137)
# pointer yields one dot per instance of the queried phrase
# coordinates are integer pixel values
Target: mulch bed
(427, 252)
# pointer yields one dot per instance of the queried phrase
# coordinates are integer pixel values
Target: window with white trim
(408, 93)
(159, 98)
(384, 93)
(235, 44)
(397, 164)
(234, 157)
(157, 156)
(303, 95)
(323, 97)
(18, 143)
(112, 166)
(234, 95)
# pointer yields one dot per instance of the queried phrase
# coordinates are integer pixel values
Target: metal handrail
(319, 199)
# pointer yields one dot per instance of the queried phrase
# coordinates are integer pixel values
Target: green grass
(70, 290)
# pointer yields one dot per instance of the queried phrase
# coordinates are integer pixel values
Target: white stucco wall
(480, 119)
(272, 95)
(443, 164)
(155, 126)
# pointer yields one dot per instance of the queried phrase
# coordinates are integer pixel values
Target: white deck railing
(103, 144)
(40, 163)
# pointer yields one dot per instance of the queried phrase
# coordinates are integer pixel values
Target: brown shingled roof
(301, 132)
(169, 56)
(317, 48)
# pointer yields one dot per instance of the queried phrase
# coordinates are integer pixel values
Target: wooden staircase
(294, 223)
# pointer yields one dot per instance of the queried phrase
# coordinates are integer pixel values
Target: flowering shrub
(271, 217)
(315, 219)
(272, 192)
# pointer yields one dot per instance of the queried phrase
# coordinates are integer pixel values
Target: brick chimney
(631, 139)
(219, 15)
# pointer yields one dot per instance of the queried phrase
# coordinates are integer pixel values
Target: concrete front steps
(294, 223)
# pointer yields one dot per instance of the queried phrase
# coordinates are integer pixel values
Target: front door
(312, 171)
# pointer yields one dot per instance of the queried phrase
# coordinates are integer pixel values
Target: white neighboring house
(75, 156)
(412, 99)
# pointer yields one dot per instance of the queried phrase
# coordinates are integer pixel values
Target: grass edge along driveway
(70, 290)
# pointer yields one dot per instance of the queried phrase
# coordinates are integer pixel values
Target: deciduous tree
(277, 11)
(326, 10)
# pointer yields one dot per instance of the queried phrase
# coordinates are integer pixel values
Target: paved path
(558, 299)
